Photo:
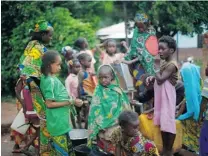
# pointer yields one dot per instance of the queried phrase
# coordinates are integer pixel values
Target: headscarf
(141, 17)
(106, 105)
(67, 48)
(42, 26)
(191, 77)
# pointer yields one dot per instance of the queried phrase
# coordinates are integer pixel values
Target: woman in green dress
(143, 48)
(29, 66)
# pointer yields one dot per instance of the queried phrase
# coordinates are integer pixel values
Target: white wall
(185, 41)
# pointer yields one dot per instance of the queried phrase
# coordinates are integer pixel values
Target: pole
(177, 52)
(125, 22)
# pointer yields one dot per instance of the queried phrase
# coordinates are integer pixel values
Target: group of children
(111, 123)
(107, 98)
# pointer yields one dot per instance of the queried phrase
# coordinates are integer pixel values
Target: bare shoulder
(171, 68)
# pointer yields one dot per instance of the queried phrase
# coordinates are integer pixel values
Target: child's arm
(54, 104)
(124, 44)
(67, 85)
(162, 77)
(182, 106)
(80, 79)
(131, 61)
(98, 47)
(18, 89)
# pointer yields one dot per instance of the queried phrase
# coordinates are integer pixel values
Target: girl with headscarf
(143, 48)
(107, 103)
(29, 66)
(191, 120)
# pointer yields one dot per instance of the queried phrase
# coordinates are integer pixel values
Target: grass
(8, 99)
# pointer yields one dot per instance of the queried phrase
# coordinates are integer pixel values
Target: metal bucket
(78, 136)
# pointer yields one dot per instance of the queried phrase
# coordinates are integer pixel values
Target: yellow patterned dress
(29, 66)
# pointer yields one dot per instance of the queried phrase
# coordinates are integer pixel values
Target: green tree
(13, 15)
(169, 17)
(67, 30)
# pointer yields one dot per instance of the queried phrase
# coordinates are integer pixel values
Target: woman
(108, 102)
(29, 66)
(144, 47)
(191, 120)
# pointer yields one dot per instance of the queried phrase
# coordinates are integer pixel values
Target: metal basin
(78, 136)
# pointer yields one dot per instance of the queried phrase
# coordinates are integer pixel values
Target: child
(111, 55)
(68, 53)
(71, 84)
(107, 103)
(165, 94)
(81, 45)
(128, 140)
(57, 101)
(86, 82)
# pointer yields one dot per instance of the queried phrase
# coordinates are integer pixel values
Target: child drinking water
(165, 93)
(110, 55)
(128, 140)
(57, 101)
(107, 103)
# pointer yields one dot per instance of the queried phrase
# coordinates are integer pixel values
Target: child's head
(129, 123)
(85, 60)
(51, 63)
(106, 75)
(68, 52)
(167, 46)
(111, 47)
(141, 22)
(74, 66)
(81, 43)
(43, 32)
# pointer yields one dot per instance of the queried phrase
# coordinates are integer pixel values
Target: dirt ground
(9, 112)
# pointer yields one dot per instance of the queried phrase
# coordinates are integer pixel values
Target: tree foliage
(67, 30)
(73, 19)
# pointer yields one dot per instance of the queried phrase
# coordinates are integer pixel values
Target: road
(7, 146)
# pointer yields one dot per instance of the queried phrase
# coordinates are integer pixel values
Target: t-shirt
(107, 59)
(57, 119)
(71, 84)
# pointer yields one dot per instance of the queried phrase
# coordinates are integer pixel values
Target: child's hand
(133, 102)
(149, 80)
(78, 102)
(123, 43)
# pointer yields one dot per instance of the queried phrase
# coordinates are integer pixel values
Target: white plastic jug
(18, 123)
